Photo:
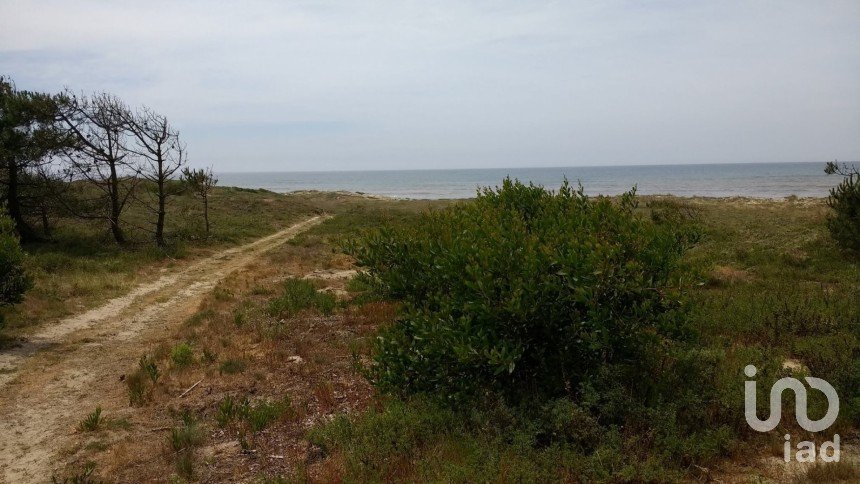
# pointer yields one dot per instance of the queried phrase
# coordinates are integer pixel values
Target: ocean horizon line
(757, 180)
(541, 167)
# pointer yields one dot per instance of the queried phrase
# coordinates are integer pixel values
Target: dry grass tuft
(832, 472)
(728, 275)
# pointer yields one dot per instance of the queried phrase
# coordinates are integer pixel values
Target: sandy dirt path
(61, 373)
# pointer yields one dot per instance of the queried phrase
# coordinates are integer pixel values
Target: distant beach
(755, 180)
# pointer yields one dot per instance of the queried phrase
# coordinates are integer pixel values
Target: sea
(754, 180)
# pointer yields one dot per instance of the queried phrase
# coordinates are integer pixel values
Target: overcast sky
(300, 85)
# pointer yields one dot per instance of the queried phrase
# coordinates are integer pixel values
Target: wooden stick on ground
(191, 388)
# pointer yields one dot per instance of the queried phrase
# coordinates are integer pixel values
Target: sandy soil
(60, 374)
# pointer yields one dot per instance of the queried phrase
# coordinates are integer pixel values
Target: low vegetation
(529, 294)
(79, 268)
(82, 476)
(526, 299)
(185, 438)
(471, 278)
(298, 294)
(182, 355)
(92, 422)
(232, 366)
(14, 281)
(256, 416)
(844, 200)
(749, 282)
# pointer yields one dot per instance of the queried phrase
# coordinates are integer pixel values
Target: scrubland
(294, 384)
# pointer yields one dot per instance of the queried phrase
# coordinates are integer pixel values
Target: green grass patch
(256, 415)
(299, 294)
(182, 355)
(184, 440)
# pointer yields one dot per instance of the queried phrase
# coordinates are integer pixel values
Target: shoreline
(706, 198)
(761, 181)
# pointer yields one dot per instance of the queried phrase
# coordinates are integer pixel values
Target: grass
(142, 380)
(148, 366)
(81, 266)
(419, 442)
(198, 318)
(230, 367)
(97, 421)
(184, 439)
(92, 422)
(186, 435)
(257, 416)
(80, 476)
(770, 285)
(213, 329)
(263, 413)
(299, 294)
(182, 355)
(832, 472)
(138, 389)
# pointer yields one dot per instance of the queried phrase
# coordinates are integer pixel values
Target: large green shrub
(527, 293)
(14, 281)
(844, 199)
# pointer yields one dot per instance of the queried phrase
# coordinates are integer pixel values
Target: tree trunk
(25, 232)
(206, 213)
(159, 224)
(115, 209)
(46, 223)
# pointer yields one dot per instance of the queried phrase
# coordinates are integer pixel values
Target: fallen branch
(159, 429)
(191, 388)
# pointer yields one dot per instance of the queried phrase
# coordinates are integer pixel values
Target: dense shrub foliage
(844, 199)
(527, 293)
(14, 282)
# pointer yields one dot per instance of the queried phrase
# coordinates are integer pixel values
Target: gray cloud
(345, 85)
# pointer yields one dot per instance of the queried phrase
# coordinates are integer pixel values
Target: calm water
(760, 180)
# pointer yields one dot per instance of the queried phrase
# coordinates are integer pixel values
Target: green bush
(844, 199)
(525, 292)
(680, 217)
(14, 282)
(182, 355)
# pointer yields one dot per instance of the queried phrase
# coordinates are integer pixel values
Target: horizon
(388, 86)
(754, 180)
(539, 167)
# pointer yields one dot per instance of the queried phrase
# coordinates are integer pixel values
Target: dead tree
(161, 155)
(100, 155)
(201, 183)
